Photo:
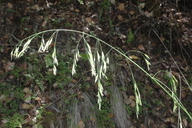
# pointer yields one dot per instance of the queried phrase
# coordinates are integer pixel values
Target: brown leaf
(169, 120)
(183, 94)
(27, 90)
(74, 81)
(113, 2)
(9, 5)
(132, 97)
(185, 122)
(81, 124)
(89, 20)
(9, 66)
(36, 7)
(162, 38)
(130, 100)
(38, 98)
(121, 7)
(111, 115)
(143, 126)
(127, 101)
(77, 10)
(141, 47)
(132, 104)
(44, 23)
(149, 14)
(120, 17)
(132, 12)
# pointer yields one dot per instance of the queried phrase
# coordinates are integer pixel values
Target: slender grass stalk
(99, 69)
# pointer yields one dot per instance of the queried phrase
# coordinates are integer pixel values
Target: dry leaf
(127, 101)
(9, 5)
(132, 12)
(120, 17)
(185, 122)
(113, 2)
(143, 126)
(132, 97)
(37, 98)
(27, 90)
(81, 124)
(74, 81)
(27, 98)
(4, 121)
(88, 78)
(26, 106)
(55, 85)
(89, 20)
(77, 10)
(130, 101)
(44, 23)
(40, 18)
(36, 7)
(149, 14)
(132, 104)
(141, 47)
(9, 66)
(121, 7)
(169, 120)
(183, 94)
(162, 38)
(111, 115)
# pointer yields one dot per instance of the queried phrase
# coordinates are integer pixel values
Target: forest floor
(156, 36)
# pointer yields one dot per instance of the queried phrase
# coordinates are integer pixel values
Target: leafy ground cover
(155, 35)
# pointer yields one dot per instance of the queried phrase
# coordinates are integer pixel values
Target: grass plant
(99, 62)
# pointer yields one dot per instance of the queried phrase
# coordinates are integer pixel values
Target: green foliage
(129, 110)
(10, 99)
(105, 115)
(68, 25)
(104, 9)
(130, 37)
(11, 10)
(23, 19)
(15, 121)
(105, 4)
(41, 71)
(84, 56)
(16, 72)
(47, 117)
